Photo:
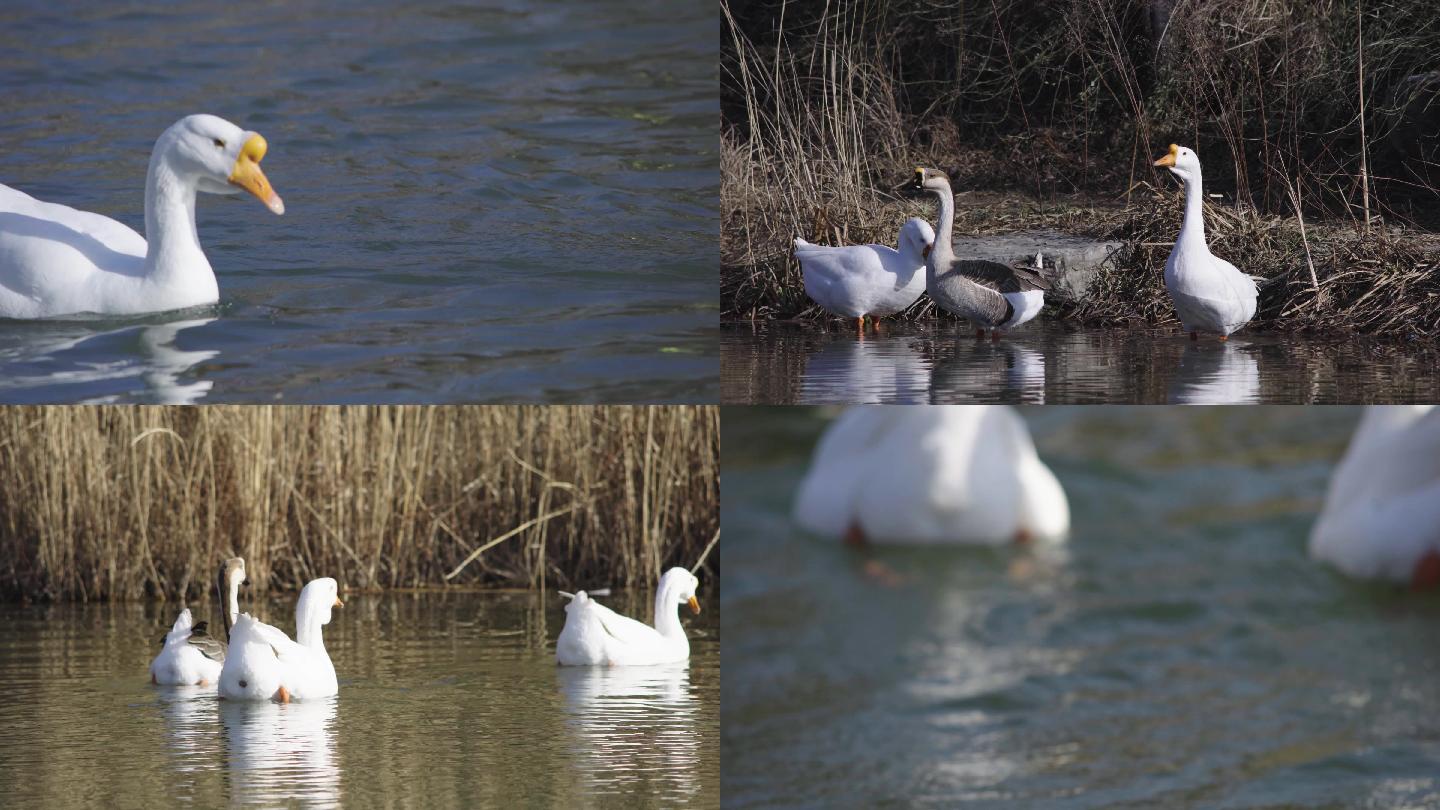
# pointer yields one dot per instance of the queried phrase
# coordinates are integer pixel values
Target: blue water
(509, 203)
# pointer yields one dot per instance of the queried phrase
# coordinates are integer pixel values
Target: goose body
(1381, 518)
(990, 295)
(596, 635)
(931, 475)
(265, 664)
(865, 280)
(1209, 293)
(56, 260)
(189, 655)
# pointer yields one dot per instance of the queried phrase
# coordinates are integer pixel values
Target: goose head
(681, 585)
(932, 180)
(232, 573)
(317, 599)
(917, 238)
(218, 157)
(1182, 162)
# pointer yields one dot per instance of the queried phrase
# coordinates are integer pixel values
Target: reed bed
(132, 502)
(1324, 111)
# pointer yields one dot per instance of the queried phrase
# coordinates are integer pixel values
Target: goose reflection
(634, 726)
(103, 365)
(1216, 375)
(190, 716)
(875, 369)
(282, 753)
(985, 369)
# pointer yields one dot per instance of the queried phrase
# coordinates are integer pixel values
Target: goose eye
(219, 143)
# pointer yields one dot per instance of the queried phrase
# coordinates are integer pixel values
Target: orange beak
(338, 603)
(1169, 158)
(694, 605)
(247, 174)
(925, 254)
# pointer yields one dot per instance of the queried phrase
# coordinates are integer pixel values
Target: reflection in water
(190, 717)
(634, 725)
(1059, 363)
(282, 753)
(136, 363)
(868, 370)
(1217, 374)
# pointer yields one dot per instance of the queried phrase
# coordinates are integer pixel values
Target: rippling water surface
(1183, 652)
(452, 699)
(1049, 361)
(514, 202)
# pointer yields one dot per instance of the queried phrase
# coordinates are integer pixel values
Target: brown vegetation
(123, 502)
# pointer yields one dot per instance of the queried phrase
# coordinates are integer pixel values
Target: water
(445, 699)
(1047, 361)
(1183, 652)
(509, 203)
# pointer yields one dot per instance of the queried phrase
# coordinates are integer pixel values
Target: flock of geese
(1210, 295)
(939, 474)
(260, 662)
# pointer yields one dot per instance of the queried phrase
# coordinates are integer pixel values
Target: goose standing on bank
(990, 295)
(55, 260)
(931, 475)
(1209, 293)
(594, 634)
(1381, 518)
(872, 280)
(264, 664)
(190, 655)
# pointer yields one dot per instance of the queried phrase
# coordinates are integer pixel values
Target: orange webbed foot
(282, 695)
(1427, 571)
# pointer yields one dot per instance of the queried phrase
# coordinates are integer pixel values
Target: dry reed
(120, 503)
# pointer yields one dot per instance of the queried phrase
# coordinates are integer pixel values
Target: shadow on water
(1047, 361)
(453, 697)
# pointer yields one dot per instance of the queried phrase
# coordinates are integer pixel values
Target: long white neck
(173, 255)
(1192, 230)
(233, 603)
(308, 629)
(944, 251)
(667, 611)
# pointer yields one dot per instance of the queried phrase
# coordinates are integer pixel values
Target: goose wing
(1000, 277)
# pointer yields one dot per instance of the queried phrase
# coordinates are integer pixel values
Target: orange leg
(994, 336)
(1224, 337)
(1022, 536)
(979, 333)
(152, 679)
(1427, 571)
(282, 695)
(202, 683)
(1194, 336)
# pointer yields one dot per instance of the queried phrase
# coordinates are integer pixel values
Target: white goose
(594, 634)
(872, 280)
(55, 260)
(931, 474)
(1209, 293)
(264, 664)
(1381, 518)
(190, 655)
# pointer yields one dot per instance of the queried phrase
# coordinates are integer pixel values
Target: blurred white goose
(1209, 293)
(264, 664)
(190, 655)
(931, 474)
(55, 260)
(1382, 511)
(595, 634)
(872, 280)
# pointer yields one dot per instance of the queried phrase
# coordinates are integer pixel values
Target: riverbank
(143, 502)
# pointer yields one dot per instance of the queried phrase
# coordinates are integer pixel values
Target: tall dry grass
(1325, 109)
(125, 502)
